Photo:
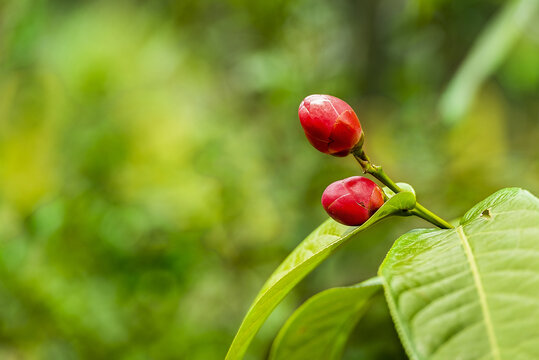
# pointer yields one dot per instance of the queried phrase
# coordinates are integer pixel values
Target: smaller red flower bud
(353, 200)
(330, 124)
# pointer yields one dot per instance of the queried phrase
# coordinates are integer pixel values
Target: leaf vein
(481, 293)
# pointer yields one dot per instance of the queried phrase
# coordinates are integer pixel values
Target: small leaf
(304, 259)
(319, 328)
(471, 292)
(403, 186)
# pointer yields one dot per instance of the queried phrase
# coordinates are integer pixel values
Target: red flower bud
(353, 200)
(330, 124)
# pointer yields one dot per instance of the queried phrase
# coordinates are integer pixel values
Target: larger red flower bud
(330, 124)
(353, 200)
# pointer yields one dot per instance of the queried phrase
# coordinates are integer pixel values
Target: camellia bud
(353, 200)
(330, 124)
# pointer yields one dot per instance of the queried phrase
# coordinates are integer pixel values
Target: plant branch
(377, 171)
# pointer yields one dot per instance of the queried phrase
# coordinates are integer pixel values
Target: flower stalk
(377, 171)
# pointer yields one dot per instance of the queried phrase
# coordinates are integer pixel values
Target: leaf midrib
(480, 292)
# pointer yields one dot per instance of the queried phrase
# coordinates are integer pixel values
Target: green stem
(431, 217)
(377, 171)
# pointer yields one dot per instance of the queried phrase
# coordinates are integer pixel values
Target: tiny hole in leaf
(486, 214)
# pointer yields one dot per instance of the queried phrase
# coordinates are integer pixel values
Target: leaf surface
(305, 258)
(471, 292)
(319, 328)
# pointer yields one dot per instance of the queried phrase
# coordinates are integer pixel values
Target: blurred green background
(153, 171)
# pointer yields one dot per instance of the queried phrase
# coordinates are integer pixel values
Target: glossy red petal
(376, 200)
(344, 136)
(346, 211)
(353, 200)
(330, 124)
(334, 191)
(339, 105)
(319, 145)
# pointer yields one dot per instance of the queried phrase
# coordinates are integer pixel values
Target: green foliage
(307, 256)
(320, 328)
(153, 171)
(470, 292)
(491, 49)
(452, 292)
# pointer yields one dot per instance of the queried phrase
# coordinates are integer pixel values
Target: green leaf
(471, 292)
(320, 327)
(305, 258)
(403, 186)
(494, 44)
